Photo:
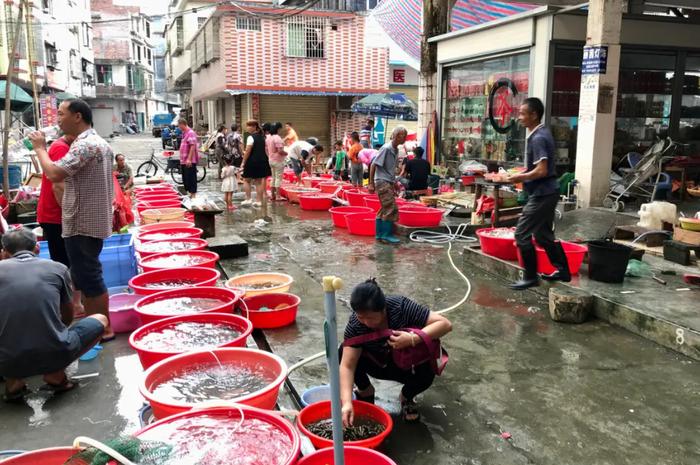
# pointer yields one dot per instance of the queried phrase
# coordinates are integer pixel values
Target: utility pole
(29, 30)
(11, 64)
(436, 21)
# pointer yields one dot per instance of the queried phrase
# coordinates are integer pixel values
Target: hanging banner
(48, 107)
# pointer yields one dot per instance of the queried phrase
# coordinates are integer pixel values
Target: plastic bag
(637, 269)
(472, 166)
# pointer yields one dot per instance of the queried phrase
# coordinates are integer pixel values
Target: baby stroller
(643, 177)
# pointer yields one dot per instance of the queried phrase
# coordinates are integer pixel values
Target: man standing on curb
(382, 180)
(540, 182)
(87, 200)
(189, 157)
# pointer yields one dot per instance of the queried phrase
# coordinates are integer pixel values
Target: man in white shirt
(301, 155)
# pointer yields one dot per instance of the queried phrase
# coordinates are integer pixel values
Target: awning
(60, 96)
(402, 19)
(19, 99)
(310, 93)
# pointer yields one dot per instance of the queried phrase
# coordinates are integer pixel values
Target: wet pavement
(564, 394)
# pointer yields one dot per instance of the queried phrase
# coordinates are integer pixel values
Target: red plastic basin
(282, 309)
(157, 195)
(468, 180)
(50, 456)
(149, 248)
(182, 259)
(211, 429)
(329, 187)
(170, 233)
(357, 199)
(372, 201)
(165, 225)
(420, 217)
(353, 456)
(256, 360)
(338, 214)
(143, 205)
(362, 224)
(154, 188)
(499, 247)
(227, 297)
(316, 201)
(314, 181)
(293, 193)
(575, 253)
(122, 315)
(197, 276)
(322, 411)
(150, 357)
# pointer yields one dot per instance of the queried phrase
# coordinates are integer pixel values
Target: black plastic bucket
(607, 261)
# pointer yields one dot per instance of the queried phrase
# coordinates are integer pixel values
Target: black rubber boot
(557, 257)
(530, 278)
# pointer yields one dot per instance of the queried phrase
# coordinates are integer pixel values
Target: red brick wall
(257, 60)
(112, 40)
(346, 122)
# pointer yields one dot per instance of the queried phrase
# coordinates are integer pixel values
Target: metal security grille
(247, 23)
(306, 37)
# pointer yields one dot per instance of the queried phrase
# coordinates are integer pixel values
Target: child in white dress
(229, 184)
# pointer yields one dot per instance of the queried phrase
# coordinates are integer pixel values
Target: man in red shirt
(49, 212)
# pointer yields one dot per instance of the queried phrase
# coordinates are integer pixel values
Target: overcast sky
(150, 7)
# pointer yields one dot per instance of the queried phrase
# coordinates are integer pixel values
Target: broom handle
(103, 448)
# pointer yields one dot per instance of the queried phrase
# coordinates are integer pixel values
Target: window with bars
(88, 72)
(248, 23)
(306, 37)
(51, 55)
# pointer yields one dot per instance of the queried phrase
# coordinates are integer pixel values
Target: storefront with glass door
(485, 74)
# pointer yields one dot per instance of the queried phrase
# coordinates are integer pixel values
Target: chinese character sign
(595, 60)
(48, 106)
(399, 76)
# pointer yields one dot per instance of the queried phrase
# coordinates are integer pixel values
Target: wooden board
(656, 251)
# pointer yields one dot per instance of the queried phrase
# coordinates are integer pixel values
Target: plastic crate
(118, 259)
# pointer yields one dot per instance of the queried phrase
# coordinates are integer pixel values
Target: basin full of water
(188, 335)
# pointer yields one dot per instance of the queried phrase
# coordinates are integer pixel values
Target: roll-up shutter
(310, 116)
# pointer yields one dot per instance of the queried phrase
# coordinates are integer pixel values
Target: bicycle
(150, 167)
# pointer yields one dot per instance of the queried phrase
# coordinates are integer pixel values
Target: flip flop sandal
(16, 397)
(409, 412)
(65, 386)
(369, 399)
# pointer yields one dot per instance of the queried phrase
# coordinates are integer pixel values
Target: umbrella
(19, 99)
(389, 105)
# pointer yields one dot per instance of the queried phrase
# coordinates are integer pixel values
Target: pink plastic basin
(322, 411)
(271, 365)
(186, 435)
(316, 201)
(150, 357)
(362, 224)
(281, 309)
(122, 315)
(170, 233)
(50, 456)
(353, 456)
(190, 277)
(420, 218)
(227, 297)
(182, 259)
(575, 254)
(165, 225)
(499, 247)
(338, 214)
(146, 249)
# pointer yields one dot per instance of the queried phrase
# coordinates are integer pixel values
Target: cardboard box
(686, 236)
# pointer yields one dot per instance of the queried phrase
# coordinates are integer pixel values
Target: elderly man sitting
(35, 311)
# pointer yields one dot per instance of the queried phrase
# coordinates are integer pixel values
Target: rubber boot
(389, 233)
(530, 278)
(379, 226)
(557, 257)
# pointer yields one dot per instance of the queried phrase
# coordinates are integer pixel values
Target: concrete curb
(662, 331)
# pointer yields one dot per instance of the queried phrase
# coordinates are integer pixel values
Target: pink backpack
(406, 359)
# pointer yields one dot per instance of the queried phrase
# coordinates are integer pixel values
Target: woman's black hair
(266, 127)
(274, 129)
(221, 128)
(368, 297)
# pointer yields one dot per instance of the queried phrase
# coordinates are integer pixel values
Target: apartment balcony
(127, 92)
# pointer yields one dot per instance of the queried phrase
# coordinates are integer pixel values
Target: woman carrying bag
(392, 338)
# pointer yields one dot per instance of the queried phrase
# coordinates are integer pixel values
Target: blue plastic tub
(317, 394)
(118, 259)
(15, 174)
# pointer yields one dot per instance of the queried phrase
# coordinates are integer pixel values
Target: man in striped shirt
(366, 133)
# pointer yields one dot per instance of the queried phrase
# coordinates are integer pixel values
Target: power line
(174, 15)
